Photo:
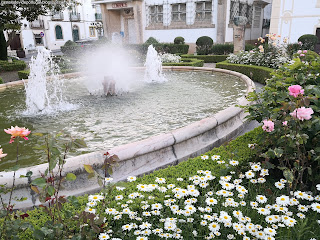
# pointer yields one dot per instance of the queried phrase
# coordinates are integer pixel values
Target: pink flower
(285, 123)
(2, 154)
(302, 55)
(305, 51)
(17, 132)
(268, 125)
(295, 90)
(302, 113)
(299, 51)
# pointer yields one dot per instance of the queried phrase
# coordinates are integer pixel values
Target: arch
(59, 33)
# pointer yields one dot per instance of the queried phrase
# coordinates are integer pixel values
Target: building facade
(135, 21)
(294, 18)
(77, 23)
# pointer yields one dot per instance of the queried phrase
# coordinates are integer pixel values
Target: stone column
(104, 19)
(137, 10)
(221, 21)
(239, 23)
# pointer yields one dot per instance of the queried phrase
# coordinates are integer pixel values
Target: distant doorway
(15, 43)
(75, 33)
(317, 47)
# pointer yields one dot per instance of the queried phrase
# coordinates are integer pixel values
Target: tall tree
(12, 12)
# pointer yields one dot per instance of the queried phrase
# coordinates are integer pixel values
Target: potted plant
(21, 53)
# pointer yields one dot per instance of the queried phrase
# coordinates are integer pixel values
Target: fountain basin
(147, 155)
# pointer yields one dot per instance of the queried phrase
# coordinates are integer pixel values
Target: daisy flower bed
(222, 194)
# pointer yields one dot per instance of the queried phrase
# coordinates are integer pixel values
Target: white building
(294, 18)
(81, 22)
(164, 20)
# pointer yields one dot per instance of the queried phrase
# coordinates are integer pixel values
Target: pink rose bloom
(302, 113)
(2, 154)
(302, 55)
(285, 123)
(305, 51)
(268, 125)
(299, 51)
(17, 132)
(295, 90)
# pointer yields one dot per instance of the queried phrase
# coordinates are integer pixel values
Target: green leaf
(21, 199)
(88, 168)
(53, 163)
(40, 182)
(51, 190)
(80, 143)
(29, 174)
(38, 134)
(71, 177)
(288, 175)
(38, 234)
(41, 147)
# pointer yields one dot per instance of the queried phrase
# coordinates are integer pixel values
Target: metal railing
(37, 24)
(57, 16)
(75, 17)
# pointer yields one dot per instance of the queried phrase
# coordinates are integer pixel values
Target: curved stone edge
(144, 156)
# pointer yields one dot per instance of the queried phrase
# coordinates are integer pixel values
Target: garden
(262, 185)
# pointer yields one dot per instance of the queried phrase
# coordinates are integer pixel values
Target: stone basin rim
(142, 156)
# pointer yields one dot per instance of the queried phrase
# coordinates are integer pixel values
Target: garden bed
(207, 58)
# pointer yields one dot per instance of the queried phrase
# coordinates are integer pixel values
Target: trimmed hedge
(1, 81)
(186, 62)
(207, 58)
(256, 73)
(236, 149)
(161, 48)
(24, 74)
(15, 65)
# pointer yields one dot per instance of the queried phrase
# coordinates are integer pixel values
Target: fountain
(153, 64)
(43, 95)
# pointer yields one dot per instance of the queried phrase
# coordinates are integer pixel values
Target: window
(178, 12)
(257, 16)
(238, 8)
(92, 31)
(38, 39)
(203, 11)
(156, 14)
(59, 34)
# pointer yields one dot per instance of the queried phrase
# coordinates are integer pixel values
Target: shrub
(256, 73)
(308, 41)
(207, 58)
(293, 140)
(292, 48)
(1, 81)
(179, 40)
(24, 74)
(249, 47)
(186, 62)
(70, 43)
(151, 41)
(204, 45)
(306, 55)
(16, 65)
(222, 49)
(161, 48)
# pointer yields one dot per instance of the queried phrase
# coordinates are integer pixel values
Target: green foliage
(1, 81)
(3, 46)
(207, 58)
(151, 41)
(293, 48)
(186, 62)
(72, 51)
(256, 73)
(294, 147)
(306, 55)
(227, 48)
(178, 40)
(15, 65)
(24, 74)
(204, 45)
(70, 43)
(308, 41)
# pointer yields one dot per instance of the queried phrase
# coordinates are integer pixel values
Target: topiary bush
(15, 65)
(204, 45)
(306, 55)
(178, 40)
(308, 41)
(24, 74)
(151, 41)
(1, 81)
(207, 58)
(70, 43)
(193, 62)
(222, 49)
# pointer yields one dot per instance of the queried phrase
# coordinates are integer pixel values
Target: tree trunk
(3, 45)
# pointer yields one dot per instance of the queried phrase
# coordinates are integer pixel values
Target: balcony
(98, 16)
(37, 24)
(75, 17)
(58, 16)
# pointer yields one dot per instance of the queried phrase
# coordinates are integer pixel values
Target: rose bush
(289, 108)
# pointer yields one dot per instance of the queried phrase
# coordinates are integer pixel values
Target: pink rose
(302, 113)
(268, 125)
(17, 132)
(302, 55)
(285, 123)
(295, 90)
(305, 51)
(299, 51)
